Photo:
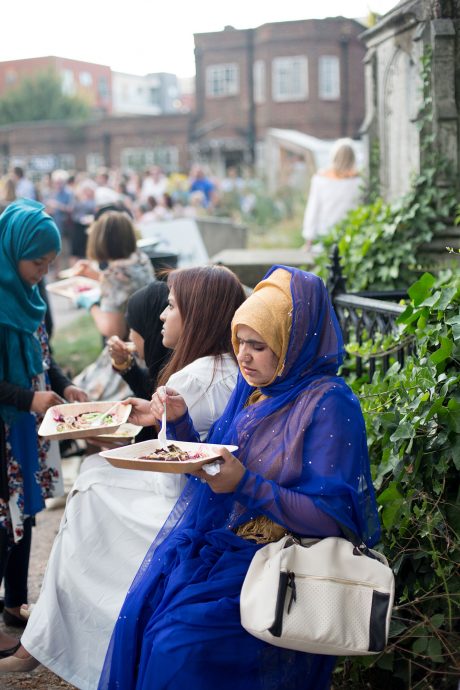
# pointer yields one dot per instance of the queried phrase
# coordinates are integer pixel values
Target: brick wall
(106, 136)
(230, 115)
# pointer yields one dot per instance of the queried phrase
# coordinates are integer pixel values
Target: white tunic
(111, 518)
(328, 203)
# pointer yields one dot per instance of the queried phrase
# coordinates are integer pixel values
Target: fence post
(336, 281)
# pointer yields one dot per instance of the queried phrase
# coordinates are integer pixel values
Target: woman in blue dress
(301, 467)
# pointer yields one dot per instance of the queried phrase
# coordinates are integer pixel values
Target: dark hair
(19, 172)
(116, 206)
(111, 237)
(207, 298)
(167, 199)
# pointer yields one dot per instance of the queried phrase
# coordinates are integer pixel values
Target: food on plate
(83, 288)
(174, 453)
(85, 420)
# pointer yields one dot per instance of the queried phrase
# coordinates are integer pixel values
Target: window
(329, 77)
(290, 78)
(86, 79)
(65, 161)
(222, 80)
(94, 161)
(259, 81)
(155, 96)
(10, 77)
(167, 157)
(103, 87)
(68, 84)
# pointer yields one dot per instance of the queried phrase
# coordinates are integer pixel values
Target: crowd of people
(143, 582)
(73, 199)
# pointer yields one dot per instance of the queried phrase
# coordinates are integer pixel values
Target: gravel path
(42, 540)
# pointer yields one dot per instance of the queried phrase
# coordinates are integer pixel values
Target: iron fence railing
(368, 316)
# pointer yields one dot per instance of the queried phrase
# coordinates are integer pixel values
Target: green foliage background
(412, 416)
(78, 345)
(40, 97)
(413, 423)
(378, 242)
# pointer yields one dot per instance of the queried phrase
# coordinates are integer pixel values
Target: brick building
(127, 142)
(91, 81)
(304, 76)
(301, 75)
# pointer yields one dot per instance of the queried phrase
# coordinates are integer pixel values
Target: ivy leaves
(413, 423)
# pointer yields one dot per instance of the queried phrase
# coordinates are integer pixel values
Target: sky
(142, 36)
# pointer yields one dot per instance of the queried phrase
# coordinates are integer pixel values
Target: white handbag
(321, 596)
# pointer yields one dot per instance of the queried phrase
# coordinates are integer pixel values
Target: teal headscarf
(26, 232)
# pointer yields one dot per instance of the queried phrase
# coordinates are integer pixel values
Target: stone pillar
(370, 127)
(443, 82)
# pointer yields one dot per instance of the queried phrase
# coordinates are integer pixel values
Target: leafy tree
(40, 97)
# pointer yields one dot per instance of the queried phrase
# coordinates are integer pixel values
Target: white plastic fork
(98, 420)
(162, 432)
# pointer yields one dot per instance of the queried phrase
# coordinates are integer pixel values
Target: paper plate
(72, 287)
(48, 426)
(124, 431)
(129, 457)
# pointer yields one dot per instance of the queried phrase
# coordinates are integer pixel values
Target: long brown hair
(207, 298)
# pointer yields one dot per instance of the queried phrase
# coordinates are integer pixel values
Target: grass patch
(77, 345)
(286, 234)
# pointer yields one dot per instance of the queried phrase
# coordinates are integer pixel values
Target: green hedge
(413, 424)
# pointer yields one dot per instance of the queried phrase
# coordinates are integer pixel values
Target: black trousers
(14, 565)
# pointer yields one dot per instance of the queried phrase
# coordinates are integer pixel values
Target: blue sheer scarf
(26, 232)
(307, 468)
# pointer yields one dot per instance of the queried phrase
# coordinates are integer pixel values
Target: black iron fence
(368, 317)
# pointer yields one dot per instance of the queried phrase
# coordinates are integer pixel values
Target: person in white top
(154, 184)
(113, 515)
(333, 192)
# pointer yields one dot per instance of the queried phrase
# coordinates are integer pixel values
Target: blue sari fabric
(307, 468)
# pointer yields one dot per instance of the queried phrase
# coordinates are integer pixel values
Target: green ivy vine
(412, 417)
(378, 242)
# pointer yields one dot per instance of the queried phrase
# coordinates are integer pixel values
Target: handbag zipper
(336, 579)
(288, 580)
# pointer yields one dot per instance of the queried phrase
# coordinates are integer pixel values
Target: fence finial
(336, 282)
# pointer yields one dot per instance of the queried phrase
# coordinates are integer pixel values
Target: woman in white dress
(333, 192)
(112, 515)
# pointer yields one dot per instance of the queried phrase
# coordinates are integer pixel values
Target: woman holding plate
(301, 467)
(30, 383)
(113, 515)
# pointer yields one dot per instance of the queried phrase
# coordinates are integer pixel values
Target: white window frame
(286, 84)
(329, 77)
(222, 80)
(260, 81)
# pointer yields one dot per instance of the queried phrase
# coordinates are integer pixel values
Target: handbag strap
(350, 535)
(360, 548)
